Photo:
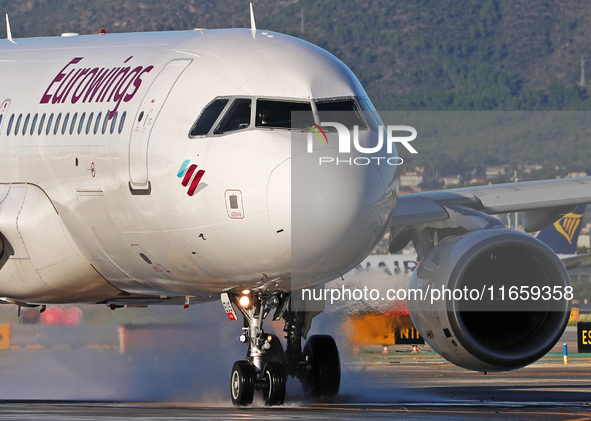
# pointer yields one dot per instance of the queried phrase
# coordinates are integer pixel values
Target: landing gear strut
(267, 366)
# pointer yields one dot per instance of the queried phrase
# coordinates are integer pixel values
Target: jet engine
(490, 300)
(5, 250)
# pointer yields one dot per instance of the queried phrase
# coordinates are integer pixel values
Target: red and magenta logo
(189, 176)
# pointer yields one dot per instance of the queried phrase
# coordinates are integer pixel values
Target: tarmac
(52, 377)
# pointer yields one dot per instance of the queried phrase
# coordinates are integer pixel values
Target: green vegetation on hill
(419, 55)
(425, 54)
(458, 142)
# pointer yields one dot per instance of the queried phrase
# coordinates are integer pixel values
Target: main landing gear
(267, 365)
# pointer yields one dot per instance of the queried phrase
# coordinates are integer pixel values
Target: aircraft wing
(573, 262)
(543, 201)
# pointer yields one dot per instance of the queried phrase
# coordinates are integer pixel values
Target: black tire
(274, 386)
(242, 383)
(276, 352)
(324, 367)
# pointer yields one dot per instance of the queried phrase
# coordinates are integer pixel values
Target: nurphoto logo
(344, 136)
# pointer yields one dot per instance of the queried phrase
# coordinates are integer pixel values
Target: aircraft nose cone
(336, 215)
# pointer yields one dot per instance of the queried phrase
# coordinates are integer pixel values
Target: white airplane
(141, 168)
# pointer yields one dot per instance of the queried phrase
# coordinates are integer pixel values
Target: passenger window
(18, 124)
(98, 122)
(49, 124)
(277, 114)
(237, 118)
(73, 125)
(89, 124)
(81, 124)
(41, 124)
(208, 116)
(64, 127)
(113, 123)
(26, 124)
(57, 123)
(341, 111)
(10, 124)
(122, 122)
(105, 122)
(33, 124)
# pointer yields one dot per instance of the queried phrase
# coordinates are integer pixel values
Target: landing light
(244, 301)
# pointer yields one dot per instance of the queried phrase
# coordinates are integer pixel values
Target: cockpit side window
(344, 111)
(277, 114)
(371, 115)
(208, 116)
(237, 118)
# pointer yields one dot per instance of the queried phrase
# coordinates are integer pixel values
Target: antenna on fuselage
(8, 31)
(253, 25)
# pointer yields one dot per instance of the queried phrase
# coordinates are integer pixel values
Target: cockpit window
(344, 111)
(209, 115)
(237, 118)
(371, 115)
(277, 114)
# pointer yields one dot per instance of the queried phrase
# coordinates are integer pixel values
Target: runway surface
(180, 370)
(401, 384)
(92, 411)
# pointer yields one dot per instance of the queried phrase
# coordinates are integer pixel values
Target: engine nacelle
(5, 250)
(495, 332)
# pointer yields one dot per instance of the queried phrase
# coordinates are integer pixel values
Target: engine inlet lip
(521, 355)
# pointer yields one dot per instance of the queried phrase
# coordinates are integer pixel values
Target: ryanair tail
(562, 236)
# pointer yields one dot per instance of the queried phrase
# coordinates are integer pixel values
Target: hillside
(420, 55)
(427, 54)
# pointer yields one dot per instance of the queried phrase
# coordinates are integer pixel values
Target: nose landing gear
(267, 366)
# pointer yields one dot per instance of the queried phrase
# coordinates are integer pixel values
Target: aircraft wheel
(324, 375)
(276, 353)
(274, 386)
(242, 383)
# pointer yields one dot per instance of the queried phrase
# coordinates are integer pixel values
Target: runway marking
(507, 411)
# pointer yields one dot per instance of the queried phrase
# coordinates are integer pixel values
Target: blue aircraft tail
(562, 236)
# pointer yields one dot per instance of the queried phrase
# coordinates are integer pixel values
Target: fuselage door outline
(149, 110)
